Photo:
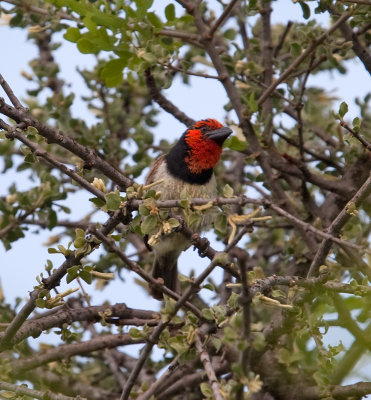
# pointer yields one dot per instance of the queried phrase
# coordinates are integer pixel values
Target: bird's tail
(165, 268)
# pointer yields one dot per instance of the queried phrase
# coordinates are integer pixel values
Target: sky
(20, 266)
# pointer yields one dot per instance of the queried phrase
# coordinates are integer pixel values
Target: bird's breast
(172, 187)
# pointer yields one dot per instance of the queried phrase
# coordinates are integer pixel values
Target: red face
(204, 151)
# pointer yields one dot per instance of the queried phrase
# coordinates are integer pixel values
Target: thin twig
(164, 103)
(9, 92)
(157, 384)
(223, 17)
(309, 50)
(282, 38)
(337, 224)
(205, 359)
(14, 133)
(359, 137)
(35, 394)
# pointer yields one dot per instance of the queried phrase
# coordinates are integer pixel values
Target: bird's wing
(151, 177)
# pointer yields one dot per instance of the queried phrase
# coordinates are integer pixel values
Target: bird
(188, 168)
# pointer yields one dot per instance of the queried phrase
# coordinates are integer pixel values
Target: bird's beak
(219, 135)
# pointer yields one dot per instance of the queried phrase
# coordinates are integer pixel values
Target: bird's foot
(203, 245)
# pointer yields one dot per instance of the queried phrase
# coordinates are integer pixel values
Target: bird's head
(204, 142)
(197, 152)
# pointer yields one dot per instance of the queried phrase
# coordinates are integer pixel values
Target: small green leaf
(136, 333)
(228, 191)
(233, 300)
(208, 314)
(86, 276)
(86, 46)
(72, 34)
(194, 219)
(356, 124)
(79, 242)
(343, 109)
(143, 210)
(149, 224)
(217, 343)
(31, 130)
(62, 249)
(206, 390)
(40, 303)
(220, 224)
(209, 286)
(173, 222)
(170, 12)
(51, 250)
(253, 104)
(154, 20)
(305, 8)
(295, 49)
(30, 158)
(113, 201)
(236, 144)
(97, 202)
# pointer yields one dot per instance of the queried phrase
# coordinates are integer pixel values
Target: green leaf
(228, 191)
(113, 67)
(252, 103)
(170, 12)
(206, 390)
(154, 20)
(208, 314)
(142, 7)
(31, 158)
(51, 250)
(233, 300)
(356, 124)
(79, 242)
(72, 34)
(86, 276)
(97, 202)
(86, 46)
(305, 8)
(112, 72)
(217, 343)
(136, 333)
(209, 286)
(149, 224)
(173, 222)
(80, 233)
(220, 224)
(40, 303)
(113, 201)
(236, 144)
(295, 49)
(194, 219)
(343, 109)
(31, 130)
(108, 20)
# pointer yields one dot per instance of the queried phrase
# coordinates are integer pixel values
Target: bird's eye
(203, 129)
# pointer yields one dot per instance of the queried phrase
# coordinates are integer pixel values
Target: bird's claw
(204, 245)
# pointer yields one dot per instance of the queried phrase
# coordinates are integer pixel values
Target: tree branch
(164, 103)
(36, 394)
